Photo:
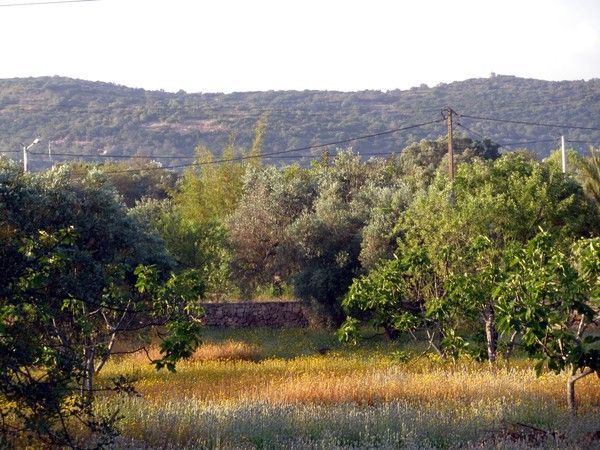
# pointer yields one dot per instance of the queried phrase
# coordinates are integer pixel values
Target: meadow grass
(274, 389)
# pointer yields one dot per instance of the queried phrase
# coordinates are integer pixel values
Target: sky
(258, 45)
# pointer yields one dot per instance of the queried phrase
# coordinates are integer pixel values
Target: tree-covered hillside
(82, 117)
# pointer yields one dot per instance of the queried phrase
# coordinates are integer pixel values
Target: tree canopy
(77, 271)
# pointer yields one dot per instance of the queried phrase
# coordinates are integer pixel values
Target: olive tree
(271, 200)
(333, 237)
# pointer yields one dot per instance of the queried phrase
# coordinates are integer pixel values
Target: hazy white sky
(227, 45)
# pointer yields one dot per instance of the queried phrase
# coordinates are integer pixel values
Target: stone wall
(255, 314)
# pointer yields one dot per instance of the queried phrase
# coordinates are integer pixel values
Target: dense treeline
(391, 241)
(507, 254)
(73, 116)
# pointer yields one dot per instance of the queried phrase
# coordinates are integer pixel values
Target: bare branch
(584, 373)
(582, 326)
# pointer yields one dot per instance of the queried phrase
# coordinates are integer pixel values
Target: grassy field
(302, 389)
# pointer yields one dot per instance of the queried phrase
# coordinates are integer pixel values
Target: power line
(263, 155)
(280, 154)
(82, 155)
(308, 155)
(276, 153)
(506, 144)
(533, 124)
(591, 98)
(6, 5)
(86, 155)
(482, 137)
(522, 122)
(582, 142)
(288, 151)
(539, 141)
(468, 130)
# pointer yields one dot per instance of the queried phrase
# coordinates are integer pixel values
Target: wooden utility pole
(450, 146)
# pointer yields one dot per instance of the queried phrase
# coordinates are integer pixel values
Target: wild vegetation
(82, 117)
(492, 280)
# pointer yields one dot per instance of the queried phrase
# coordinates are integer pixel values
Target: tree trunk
(571, 401)
(87, 385)
(435, 342)
(573, 378)
(106, 355)
(510, 347)
(491, 334)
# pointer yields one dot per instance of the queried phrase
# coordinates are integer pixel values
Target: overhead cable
(523, 122)
(288, 151)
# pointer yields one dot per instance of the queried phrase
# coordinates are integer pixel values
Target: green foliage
(257, 142)
(210, 191)
(197, 226)
(452, 252)
(320, 227)
(202, 246)
(306, 226)
(548, 296)
(505, 200)
(39, 368)
(134, 180)
(589, 174)
(573, 161)
(327, 236)
(421, 161)
(348, 331)
(400, 295)
(258, 229)
(389, 294)
(76, 271)
(454, 345)
(494, 205)
(388, 199)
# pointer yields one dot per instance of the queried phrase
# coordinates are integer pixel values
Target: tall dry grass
(232, 373)
(229, 350)
(235, 393)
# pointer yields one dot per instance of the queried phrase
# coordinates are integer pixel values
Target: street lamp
(25, 149)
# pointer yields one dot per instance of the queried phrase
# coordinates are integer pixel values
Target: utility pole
(450, 146)
(25, 150)
(563, 154)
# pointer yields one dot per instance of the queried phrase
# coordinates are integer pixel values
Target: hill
(83, 117)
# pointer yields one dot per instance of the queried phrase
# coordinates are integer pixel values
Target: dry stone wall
(256, 314)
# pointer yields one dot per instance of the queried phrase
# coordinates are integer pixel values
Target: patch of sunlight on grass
(301, 389)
